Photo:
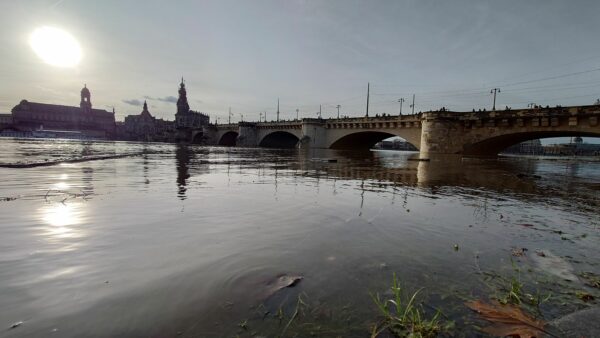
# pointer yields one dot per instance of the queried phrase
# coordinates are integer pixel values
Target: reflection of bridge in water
(465, 133)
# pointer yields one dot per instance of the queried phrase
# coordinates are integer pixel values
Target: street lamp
(297, 111)
(400, 100)
(494, 91)
(338, 108)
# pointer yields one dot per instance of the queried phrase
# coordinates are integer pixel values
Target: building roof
(54, 108)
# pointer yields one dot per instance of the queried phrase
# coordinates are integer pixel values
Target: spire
(145, 112)
(182, 104)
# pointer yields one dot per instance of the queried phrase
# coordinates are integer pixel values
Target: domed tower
(86, 101)
(182, 104)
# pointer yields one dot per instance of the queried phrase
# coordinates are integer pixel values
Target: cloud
(171, 99)
(133, 102)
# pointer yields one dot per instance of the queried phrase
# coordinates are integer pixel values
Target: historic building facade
(145, 127)
(98, 123)
(140, 127)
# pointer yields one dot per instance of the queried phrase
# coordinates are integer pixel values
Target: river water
(187, 241)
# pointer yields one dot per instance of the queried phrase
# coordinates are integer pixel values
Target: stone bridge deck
(438, 132)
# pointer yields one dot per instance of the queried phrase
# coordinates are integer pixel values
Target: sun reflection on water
(61, 186)
(62, 219)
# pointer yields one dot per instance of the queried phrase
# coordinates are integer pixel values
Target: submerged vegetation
(403, 315)
(517, 303)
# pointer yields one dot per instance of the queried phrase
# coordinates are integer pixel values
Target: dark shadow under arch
(279, 139)
(493, 146)
(363, 140)
(198, 138)
(229, 139)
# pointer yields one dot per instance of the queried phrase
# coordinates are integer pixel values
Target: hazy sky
(246, 54)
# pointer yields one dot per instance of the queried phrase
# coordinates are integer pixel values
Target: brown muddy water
(188, 240)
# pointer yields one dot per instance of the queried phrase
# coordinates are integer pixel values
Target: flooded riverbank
(187, 240)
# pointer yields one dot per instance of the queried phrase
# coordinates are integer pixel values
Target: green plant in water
(404, 317)
(511, 291)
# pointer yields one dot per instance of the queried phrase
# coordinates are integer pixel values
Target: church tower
(182, 103)
(86, 101)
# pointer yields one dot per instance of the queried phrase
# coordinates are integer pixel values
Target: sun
(55, 47)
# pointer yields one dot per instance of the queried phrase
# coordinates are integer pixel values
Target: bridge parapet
(280, 125)
(228, 126)
(510, 113)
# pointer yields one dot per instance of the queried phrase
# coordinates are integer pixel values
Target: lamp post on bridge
(494, 91)
(260, 117)
(297, 111)
(338, 108)
(277, 109)
(242, 117)
(230, 115)
(400, 100)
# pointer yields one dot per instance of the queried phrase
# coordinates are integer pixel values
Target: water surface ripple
(183, 240)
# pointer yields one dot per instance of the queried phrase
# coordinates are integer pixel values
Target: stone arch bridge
(479, 134)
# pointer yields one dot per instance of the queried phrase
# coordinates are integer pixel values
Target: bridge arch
(197, 137)
(279, 139)
(492, 146)
(360, 140)
(366, 139)
(229, 139)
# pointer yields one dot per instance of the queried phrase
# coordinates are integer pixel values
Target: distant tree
(597, 101)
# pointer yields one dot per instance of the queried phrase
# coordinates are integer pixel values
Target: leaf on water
(507, 320)
(281, 282)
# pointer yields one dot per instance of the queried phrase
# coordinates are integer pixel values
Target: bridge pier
(247, 135)
(314, 134)
(440, 135)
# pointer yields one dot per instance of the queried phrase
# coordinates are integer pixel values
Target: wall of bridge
(318, 133)
(487, 134)
(433, 133)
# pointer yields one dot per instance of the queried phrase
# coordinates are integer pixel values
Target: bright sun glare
(55, 47)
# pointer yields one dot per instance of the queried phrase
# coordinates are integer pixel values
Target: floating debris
(282, 282)
(507, 320)
(518, 252)
(15, 325)
(554, 265)
(65, 160)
